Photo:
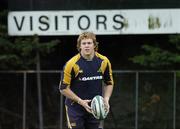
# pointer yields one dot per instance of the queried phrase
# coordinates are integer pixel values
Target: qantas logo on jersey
(91, 78)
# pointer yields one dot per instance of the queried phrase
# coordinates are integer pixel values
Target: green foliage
(20, 52)
(3, 24)
(156, 57)
(175, 40)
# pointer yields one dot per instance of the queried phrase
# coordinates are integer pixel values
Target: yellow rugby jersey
(85, 78)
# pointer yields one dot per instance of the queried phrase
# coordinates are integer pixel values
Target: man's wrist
(106, 98)
(79, 101)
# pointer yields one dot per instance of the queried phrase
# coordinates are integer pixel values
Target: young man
(82, 79)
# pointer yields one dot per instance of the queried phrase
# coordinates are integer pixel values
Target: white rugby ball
(98, 108)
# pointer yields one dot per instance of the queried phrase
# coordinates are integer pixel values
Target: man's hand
(85, 104)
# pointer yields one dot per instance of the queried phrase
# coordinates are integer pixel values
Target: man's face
(87, 47)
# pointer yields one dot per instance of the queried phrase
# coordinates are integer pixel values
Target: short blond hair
(87, 35)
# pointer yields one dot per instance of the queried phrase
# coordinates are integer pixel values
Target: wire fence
(140, 100)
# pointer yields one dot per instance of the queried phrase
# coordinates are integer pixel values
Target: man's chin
(87, 54)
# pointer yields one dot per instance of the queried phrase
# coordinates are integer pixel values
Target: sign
(101, 22)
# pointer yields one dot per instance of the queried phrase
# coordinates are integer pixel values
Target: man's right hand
(85, 104)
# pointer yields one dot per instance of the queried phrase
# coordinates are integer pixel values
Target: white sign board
(101, 22)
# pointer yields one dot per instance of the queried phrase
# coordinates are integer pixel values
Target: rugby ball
(98, 108)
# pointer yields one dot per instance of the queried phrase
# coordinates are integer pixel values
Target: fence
(140, 100)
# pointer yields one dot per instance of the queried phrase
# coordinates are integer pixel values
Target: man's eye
(89, 42)
(86, 43)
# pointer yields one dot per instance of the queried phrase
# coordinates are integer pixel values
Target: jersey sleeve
(66, 76)
(70, 70)
(108, 77)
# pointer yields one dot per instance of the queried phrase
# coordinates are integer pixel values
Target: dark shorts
(79, 118)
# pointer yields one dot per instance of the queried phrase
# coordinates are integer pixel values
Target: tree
(17, 53)
(157, 57)
(20, 52)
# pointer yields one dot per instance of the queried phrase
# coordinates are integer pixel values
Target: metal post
(24, 99)
(39, 91)
(174, 103)
(61, 111)
(136, 101)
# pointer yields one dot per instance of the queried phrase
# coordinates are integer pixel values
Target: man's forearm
(70, 94)
(108, 92)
